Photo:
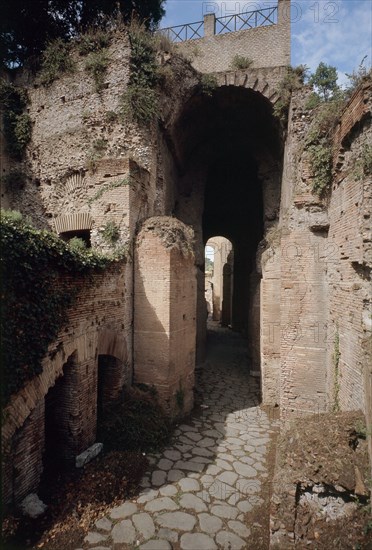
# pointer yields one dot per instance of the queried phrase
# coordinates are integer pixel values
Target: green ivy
(321, 167)
(16, 123)
(108, 187)
(111, 233)
(36, 267)
(96, 65)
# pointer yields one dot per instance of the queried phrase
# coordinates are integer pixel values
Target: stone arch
(251, 80)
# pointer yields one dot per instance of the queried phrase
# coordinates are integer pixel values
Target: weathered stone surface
(159, 504)
(192, 502)
(188, 485)
(144, 525)
(156, 545)
(244, 469)
(168, 534)
(88, 455)
(239, 528)
(228, 540)
(123, 532)
(104, 524)
(94, 538)
(200, 541)
(32, 506)
(209, 524)
(224, 511)
(158, 477)
(123, 511)
(177, 520)
(168, 490)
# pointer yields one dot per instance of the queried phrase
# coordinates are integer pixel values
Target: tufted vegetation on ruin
(41, 275)
(56, 60)
(294, 79)
(140, 100)
(16, 122)
(318, 143)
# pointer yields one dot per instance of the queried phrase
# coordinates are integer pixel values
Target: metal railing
(180, 33)
(247, 20)
(229, 23)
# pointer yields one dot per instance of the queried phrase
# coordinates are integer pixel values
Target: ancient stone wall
(98, 323)
(266, 46)
(165, 307)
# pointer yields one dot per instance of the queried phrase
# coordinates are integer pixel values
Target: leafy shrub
(135, 422)
(11, 215)
(93, 40)
(17, 124)
(359, 76)
(321, 167)
(77, 244)
(139, 103)
(56, 60)
(208, 84)
(241, 62)
(96, 66)
(293, 80)
(111, 233)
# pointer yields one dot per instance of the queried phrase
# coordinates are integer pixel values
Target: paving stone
(190, 501)
(201, 451)
(145, 482)
(189, 466)
(156, 545)
(144, 525)
(168, 534)
(123, 532)
(172, 455)
(223, 464)
(206, 442)
(188, 485)
(168, 491)
(177, 520)
(227, 541)
(245, 506)
(159, 504)
(165, 464)
(225, 456)
(103, 524)
(212, 433)
(187, 428)
(228, 477)
(201, 459)
(244, 470)
(213, 470)
(224, 511)
(194, 436)
(123, 511)
(183, 448)
(175, 475)
(209, 524)
(199, 541)
(158, 477)
(147, 495)
(239, 528)
(94, 538)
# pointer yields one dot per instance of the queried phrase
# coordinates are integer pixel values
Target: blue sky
(338, 32)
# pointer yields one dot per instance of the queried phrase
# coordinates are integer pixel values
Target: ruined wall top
(262, 36)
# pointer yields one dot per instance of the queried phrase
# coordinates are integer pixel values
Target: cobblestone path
(199, 490)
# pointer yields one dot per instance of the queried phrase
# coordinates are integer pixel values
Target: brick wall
(165, 306)
(98, 323)
(267, 46)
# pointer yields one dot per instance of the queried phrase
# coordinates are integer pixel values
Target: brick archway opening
(229, 153)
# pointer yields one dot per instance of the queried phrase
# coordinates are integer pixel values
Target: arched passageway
(228, 150)
(219, 261)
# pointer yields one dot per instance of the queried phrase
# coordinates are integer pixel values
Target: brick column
(209, 24)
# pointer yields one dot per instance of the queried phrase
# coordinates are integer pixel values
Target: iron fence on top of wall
(247, 20)
(229, 23)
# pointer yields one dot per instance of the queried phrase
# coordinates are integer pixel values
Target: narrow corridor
(203, 490)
